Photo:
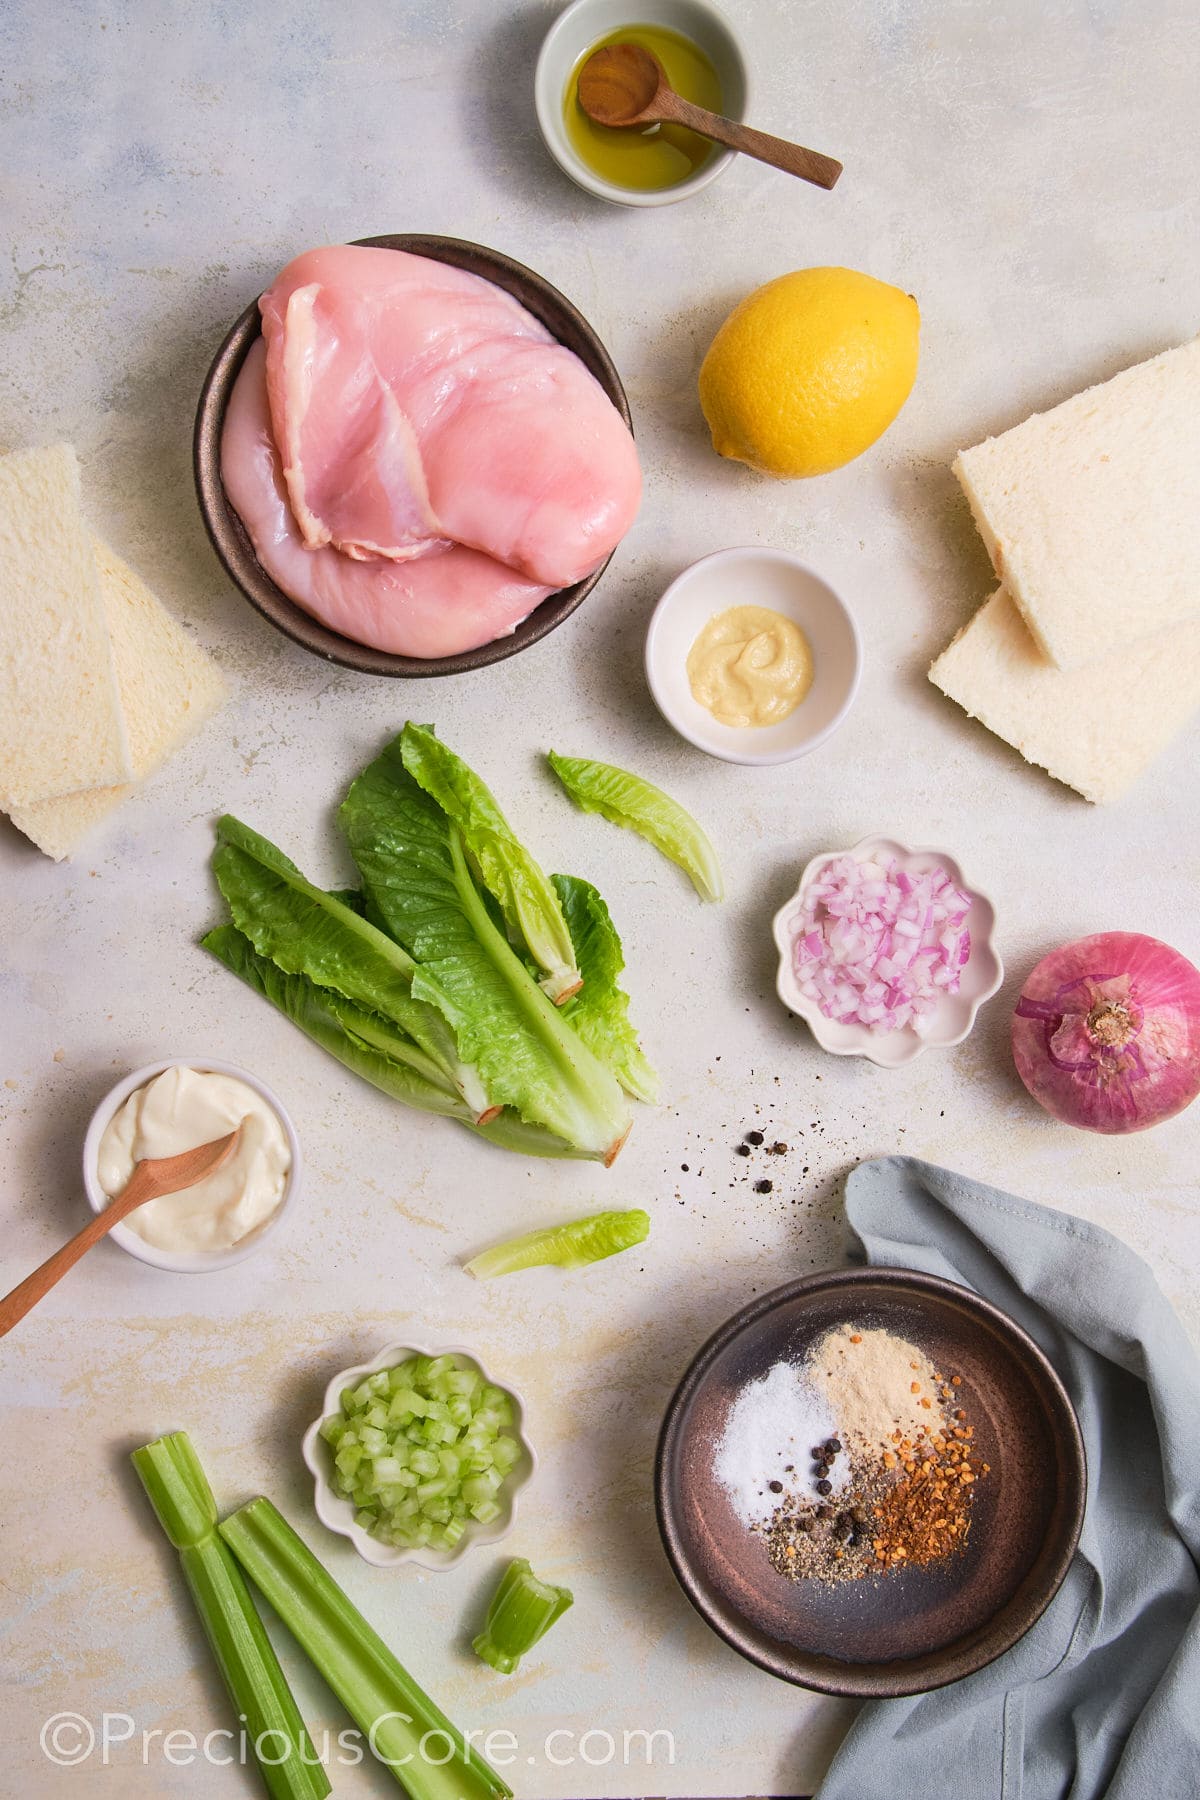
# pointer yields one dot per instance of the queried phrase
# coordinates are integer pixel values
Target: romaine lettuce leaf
(529, 904)
(566, 1246)
(369, 1047)
(599, 1012)
(307, 931)
(415, 871)
(364, 1042)
(633, 802)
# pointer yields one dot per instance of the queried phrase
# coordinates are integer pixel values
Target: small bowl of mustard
(658, 164)
(752, 657)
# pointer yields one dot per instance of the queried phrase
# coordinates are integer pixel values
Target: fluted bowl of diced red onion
(886, 951)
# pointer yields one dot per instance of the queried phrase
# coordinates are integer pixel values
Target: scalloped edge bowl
(337, 1514)
(955, 1017)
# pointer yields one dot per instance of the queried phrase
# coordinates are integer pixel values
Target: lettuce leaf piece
(414, 867)
(366, 1043)
(532, 914)
(566, 1246)
(370, 1047)
(307, 931)
(599, 1012)
(637, 804)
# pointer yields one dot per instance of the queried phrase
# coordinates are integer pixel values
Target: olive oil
(648, 156)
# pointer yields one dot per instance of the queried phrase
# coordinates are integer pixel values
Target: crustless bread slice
(61, 727)
(1095, 728)
(168, 687)
(1091, 512)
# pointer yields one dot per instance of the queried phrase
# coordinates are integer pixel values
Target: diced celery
(485, 1511)
(429, 1431)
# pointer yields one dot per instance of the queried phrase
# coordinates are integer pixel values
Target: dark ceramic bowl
(229, 536)
(911, 1630)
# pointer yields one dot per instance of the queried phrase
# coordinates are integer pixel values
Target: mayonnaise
(750, 666)
(176, 1111)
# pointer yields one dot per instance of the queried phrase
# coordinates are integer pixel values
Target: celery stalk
(522, 1611)
(407, 1732)
(568, 1246)
(171, 1474)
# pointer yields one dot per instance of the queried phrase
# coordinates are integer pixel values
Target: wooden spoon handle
(810, 165)
(35, 1287)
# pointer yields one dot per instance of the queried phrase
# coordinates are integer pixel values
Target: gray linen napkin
(1102, 1696)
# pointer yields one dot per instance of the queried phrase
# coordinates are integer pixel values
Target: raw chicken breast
(445, 600)
(415, 403)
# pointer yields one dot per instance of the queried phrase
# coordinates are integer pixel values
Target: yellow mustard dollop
(750, 666)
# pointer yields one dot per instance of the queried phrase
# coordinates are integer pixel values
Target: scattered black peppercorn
(821, 1470)
(684, 1167)
(742, 1150)
(754, 1137)
(832, 1447)
(777, 1150)
(762, 1187)
(824, 1487)
(776, 1487)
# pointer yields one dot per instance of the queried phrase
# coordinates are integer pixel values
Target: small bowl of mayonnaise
(752, 657)
(170, 1107)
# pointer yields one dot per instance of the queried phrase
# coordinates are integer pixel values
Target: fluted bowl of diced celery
(418, 1455)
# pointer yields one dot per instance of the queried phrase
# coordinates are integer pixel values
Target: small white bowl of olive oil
(658, 164)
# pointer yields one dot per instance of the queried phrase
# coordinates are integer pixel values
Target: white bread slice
(1091, 512)
(61, 727)
(1096, 728)
(168, 685)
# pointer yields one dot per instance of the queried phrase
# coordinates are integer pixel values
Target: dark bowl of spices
(870, 1482)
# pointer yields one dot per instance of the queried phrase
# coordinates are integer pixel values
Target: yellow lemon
(809, 370)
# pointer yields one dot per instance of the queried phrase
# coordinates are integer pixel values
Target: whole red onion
(1106, 1034)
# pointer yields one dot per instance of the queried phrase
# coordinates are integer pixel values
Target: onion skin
(1106, 1035)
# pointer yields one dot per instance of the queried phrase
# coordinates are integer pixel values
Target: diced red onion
(878, 945)
(1106, 1034)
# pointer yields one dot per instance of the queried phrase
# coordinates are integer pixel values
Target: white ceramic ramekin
(583, 24)
(754, 576)
(187, 1262)
(338, 1514)
(954, 1017)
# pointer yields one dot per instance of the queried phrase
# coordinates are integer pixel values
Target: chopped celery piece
(567, 1246)
(632, 801)
(381, 1697)
(420, 1448)
(521, 1612)
(170, 1472)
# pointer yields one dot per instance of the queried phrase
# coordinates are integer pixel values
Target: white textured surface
(1031, 174)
